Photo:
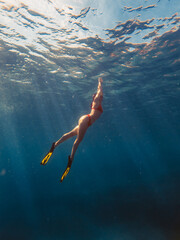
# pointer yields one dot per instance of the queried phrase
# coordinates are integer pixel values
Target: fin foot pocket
(67, 169)
(48, 155)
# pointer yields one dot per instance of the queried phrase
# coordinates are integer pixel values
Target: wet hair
(93, 96)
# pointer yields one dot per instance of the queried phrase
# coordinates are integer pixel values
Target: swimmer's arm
(99, 89)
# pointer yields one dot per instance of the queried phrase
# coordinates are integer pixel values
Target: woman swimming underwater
(80, 130)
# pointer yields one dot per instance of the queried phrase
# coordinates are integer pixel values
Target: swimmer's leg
(66, 136)
(83, 126)
(80, 135)
(55, 144)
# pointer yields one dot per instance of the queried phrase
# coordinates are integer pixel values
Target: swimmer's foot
(48, 155)
(67, 169)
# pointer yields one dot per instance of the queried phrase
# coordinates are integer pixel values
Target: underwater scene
(124, 182)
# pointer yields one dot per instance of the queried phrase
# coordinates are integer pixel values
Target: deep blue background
(124, 179)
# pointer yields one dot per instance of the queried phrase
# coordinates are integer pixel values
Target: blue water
(124, 182)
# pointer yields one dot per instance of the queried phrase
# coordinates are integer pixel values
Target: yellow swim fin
(67, 169)
(48, 155)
